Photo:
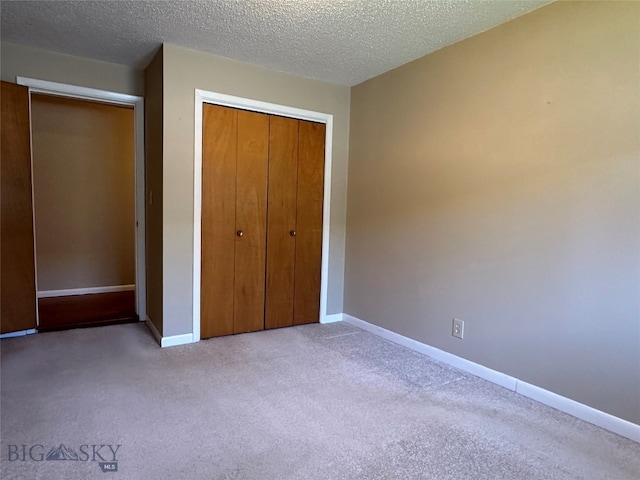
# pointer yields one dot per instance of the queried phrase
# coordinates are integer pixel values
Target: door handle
(292, 233)
(239, 233)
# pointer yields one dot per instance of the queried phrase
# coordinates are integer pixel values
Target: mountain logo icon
(62, 453)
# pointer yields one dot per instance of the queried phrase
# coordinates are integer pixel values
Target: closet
(67, 188)
(262, 198)
(84, 211)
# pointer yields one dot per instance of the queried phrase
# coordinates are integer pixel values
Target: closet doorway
(262, 188)
(88, 191)
(84, 210)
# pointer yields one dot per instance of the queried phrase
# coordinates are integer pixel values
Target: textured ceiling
(339, 41)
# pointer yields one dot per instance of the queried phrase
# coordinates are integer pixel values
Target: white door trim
(203, 96)
(113, 98)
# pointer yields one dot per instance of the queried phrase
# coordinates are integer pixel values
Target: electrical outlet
(457, 329)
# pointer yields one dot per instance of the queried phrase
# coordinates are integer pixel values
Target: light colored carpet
(311, 402)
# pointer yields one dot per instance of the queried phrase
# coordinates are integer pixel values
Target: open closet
(69, 239)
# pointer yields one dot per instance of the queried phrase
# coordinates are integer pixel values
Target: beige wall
(83, 176)
(184, 71)
(497, 181)
(18, 60)
(153, 104)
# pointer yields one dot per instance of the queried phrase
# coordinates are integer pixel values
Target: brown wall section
(83, 172)
(496, 181)
(153, 112)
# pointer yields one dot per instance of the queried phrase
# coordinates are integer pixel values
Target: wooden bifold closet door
(262, 197)
(17, 264)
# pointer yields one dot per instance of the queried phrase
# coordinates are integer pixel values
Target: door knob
(292, 233)
(239, 233)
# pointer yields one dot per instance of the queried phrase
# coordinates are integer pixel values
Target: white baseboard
(334, 317)
(171, 341)
(476, 369)
(579, 410)
(175, 340)
(20, 333)
(85, 291)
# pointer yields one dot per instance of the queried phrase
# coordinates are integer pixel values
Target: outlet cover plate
(457, 329)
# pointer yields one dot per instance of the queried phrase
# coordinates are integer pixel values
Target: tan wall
(496, 181)
(185, 70)
(18, 60)
(153, 103)
(83, 176)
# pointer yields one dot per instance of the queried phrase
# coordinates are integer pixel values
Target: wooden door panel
(281, 215)
(262, 176)
(251, 220)
(17, 265)
(219, 148)
(92, 310)
(311, 140)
